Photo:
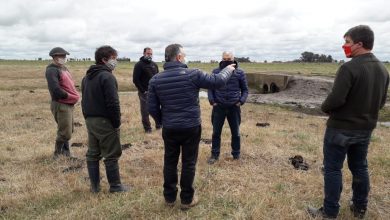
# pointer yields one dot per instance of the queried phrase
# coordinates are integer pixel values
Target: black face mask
(224, 64)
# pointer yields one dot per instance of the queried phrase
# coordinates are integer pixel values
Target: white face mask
(149, 58)
(184, 61)
(111, 63)
(61, 61)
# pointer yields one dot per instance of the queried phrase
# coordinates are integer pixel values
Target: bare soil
(307, 92)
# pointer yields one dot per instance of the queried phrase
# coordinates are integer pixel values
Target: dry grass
(263, 185)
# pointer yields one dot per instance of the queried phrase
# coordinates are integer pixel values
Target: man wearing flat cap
(63, 98)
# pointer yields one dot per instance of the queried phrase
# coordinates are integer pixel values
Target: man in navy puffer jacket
(226, 102)
(173, 100)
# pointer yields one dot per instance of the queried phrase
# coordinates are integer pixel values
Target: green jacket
(359, 91)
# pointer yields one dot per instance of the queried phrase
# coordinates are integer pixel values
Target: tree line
(311, 57)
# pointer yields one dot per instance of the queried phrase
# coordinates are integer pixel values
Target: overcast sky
(259, 29)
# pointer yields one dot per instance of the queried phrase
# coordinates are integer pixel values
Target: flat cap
(58, 51)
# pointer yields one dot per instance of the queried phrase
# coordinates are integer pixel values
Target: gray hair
(171, 51)
(228, 53)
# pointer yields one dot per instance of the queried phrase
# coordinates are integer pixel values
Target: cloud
(266, 30)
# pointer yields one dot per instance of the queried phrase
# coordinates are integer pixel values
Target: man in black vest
(144, 70)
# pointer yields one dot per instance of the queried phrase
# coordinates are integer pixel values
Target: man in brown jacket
(63, 95)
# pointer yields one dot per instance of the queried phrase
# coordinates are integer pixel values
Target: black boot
(94, 175)
(113, 177)
(65, 149)
(58, 149)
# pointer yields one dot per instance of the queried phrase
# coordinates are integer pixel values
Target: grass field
(263, 185)
(25, 75)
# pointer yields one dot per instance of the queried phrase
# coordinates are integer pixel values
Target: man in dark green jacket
(359, 91)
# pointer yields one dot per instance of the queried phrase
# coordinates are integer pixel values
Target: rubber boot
(113, 177)
(94, 175)
(65, 149)
(58, 149)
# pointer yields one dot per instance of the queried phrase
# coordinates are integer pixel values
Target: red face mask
(347, 51)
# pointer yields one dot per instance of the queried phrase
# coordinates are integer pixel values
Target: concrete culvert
(267, 82)
(274, 88)
(265, 88)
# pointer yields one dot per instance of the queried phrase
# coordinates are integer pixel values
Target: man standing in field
(63, 95)
(144, 70)
(226, 102)
(173, 100)
(101, 110)
(359, 91)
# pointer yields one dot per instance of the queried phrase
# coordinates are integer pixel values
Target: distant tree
(124, 59)
(265, 61)
(242, 59)
(39, 58)
(313, 57)
(329, 59)
(307, 56)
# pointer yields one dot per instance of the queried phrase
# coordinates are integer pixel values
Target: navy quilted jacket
(173, 95)
(236, 89)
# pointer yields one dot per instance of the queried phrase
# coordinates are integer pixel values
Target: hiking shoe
(236, 157)
(357, 213)
(148, 131)
(314, 213)
(194, 202)
(212, 160)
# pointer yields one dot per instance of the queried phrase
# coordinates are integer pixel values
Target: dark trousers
(233, 115)
(337, 144)
(143, 101)
(187, 141)
(103, 140)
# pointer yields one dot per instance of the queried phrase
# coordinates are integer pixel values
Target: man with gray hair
(173, 100)
(226, 102)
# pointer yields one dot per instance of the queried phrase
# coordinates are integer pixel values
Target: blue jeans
(337, 144)
(233, 115)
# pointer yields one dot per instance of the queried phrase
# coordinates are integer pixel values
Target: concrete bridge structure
(260, 82)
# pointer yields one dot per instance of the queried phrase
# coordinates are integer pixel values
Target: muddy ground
(304, 94)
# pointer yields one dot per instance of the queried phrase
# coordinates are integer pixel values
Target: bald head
(227, 56)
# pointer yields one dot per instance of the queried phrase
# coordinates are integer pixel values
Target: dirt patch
(206, 141)
(77, 124)
(262, 124)
(298, 162)
(73, 168)
(304, 94)
(77, 145)
(126, 146)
